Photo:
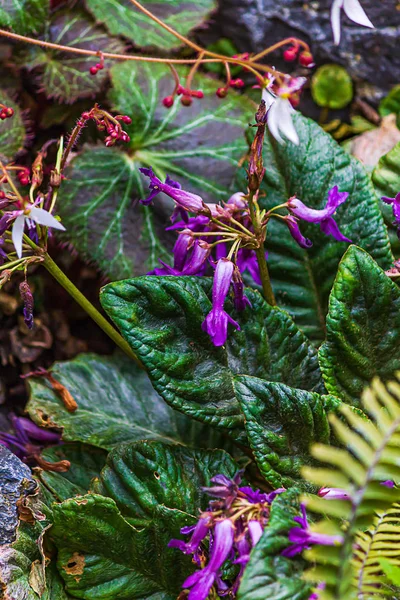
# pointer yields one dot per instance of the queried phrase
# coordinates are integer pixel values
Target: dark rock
(15, 482)
(371, 55)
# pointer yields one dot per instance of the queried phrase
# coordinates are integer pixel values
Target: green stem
(67, 284)
(260, 254)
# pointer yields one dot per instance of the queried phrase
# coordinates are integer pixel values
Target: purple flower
(25, 431)
(3, 254)
(186, 200)
(388, 483)
(334, 494)
(240, 300)
(302, 537)
(247, 261)
(295, 232)
(202, 581)
(325, 216)
(199, 533)
(255, 531)
(225, 488)
(216, 322)
(395, 202)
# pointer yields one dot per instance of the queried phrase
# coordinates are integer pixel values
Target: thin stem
(278, 45)
(260, 254)
(67, 284)
(193, 70)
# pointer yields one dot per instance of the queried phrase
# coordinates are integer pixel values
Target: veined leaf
(363, 327)
(66, 76)
(281, 423)
(199, 145)
(12, 130)
(161, 319)
(24, 16)
(302, 279)
(121, 17)
(116, 403)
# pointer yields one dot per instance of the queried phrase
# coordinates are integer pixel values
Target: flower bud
(186, 100)
(290, 54)
(168, 101)
(306, 59)
(221, 92)
(93, 70)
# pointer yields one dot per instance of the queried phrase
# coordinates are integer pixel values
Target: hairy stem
(260, 253)
(88, 307)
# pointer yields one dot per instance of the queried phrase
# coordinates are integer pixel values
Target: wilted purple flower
(334, 494)
(25, 431)
(225, 488)
(27, 298)
(216, 322)
(324, 216)
(395, 202)
(302, 537)
(186, 200)
(240, 300)
(295, 232)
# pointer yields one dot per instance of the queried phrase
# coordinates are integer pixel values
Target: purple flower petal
(330, 227)
(216, 322)
(311, 215)
(186, 200)
(295, 232)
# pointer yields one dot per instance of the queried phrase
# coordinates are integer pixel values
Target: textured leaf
(116, 403)
(24, 16)
(15, 483)
(12, 130)
(66, 76)
(86, 463)
(161, 319)
(332, 87)
(281, 424)
(363, 327)
(302, 279)
(122, 18)
(200, 145)
(269, 575)
(146, 479)
(386, 179)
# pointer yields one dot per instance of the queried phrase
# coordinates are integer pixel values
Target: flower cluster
(228, 530)
(106, 122)
(221, 238)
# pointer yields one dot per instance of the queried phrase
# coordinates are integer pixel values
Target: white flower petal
(42, 217)
(273, 121)
(356, 13)
(268, 97)
(335, 20)
(285, 121)
(17, 233)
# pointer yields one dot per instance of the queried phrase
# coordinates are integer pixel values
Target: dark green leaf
(200, 146)
(86, 463)
(391, 104)
(269, 575)
(281, 424)
(386, 179)
(122, 18)
(101, 556)
(24, 16)
(116, 403)
(363, 327)
(146, 479)
(302, 279)
(66, 76)
(15, 483)
(161, 319)
(12, 130)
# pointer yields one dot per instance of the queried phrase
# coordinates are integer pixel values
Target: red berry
(99, 66)
(306, 59)
(197, 94)
(2, 195)
(127, 120)
(237, 83)
(186, 100)
(168, 101)
(181, 90)
(290, 54)
(93, 70)
(221, 92)
(9, 112)
(3, 115)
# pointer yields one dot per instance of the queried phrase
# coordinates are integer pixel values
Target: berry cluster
(106, 122)
(98, 67)
(186, 96)
(305, 57)
(233, 83)
(6, 112)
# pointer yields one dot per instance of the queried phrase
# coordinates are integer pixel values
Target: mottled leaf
(161, 319)
(302, 279)
(121, 17)
(12, 130)
(281, 424)
(199, 145)
(386, 179)
(268, 574)
(116, 403)
(66, 76)
(363, 327)
(24, 16)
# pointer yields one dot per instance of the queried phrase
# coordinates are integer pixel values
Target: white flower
(353, 10)
(33, 213)
(279, 118)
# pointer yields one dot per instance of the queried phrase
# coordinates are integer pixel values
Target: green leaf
(161, 319)
(281, 423)
(116, 403)
(386, 179)
(66, 76)
(12, 130)
(332, 87)
(391, 104)
(302, 279)
(122, 18)
(86, 463)
(24, 16)
(363, 327)
(200, 146)
(269, 575)
(146, 479)
(391, 570)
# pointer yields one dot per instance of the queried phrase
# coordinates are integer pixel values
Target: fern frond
(370, 455)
